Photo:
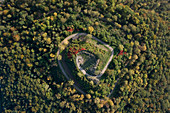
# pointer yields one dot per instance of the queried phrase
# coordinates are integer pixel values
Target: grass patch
(99, 50)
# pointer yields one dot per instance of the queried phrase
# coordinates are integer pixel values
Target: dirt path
(117, 82)
(68, 72)
(113, 88)
(69, 78)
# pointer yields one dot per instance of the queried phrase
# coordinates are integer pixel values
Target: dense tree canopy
(137, 77)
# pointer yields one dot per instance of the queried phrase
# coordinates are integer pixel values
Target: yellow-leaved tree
(90, 29)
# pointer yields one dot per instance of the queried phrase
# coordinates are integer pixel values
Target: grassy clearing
(98, 49)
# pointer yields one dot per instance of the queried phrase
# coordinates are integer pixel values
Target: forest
(136, 80)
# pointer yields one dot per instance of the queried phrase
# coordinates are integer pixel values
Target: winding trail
(70, 77)
(113, 88)
(66, 71)
(117, 81)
